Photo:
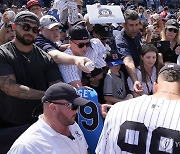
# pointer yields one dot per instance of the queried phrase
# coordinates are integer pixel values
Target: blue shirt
(45, 44)
(129, 46)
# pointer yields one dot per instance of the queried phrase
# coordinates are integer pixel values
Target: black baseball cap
(93, 73)
(170, 66)
(27, 16)
(102, 30)
(172, 23)
(78, 33)
(63, 91)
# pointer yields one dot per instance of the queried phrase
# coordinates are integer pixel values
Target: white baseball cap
(49, 21)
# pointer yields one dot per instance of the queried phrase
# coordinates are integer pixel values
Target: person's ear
(52, 107)
(155, 86)
(141, 57)
(13, 26)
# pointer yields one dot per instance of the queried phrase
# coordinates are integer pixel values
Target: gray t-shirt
(114, 85)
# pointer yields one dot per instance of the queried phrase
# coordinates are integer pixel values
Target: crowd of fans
(127, 56)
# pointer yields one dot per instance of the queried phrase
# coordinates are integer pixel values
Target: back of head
(170, 73)
(130, 15)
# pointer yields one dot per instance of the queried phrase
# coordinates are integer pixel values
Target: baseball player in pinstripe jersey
(146, 124)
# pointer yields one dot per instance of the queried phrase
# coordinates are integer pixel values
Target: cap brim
(52, 25)
(79, 23)
(80, 101)
(172, 27)
(115, 63)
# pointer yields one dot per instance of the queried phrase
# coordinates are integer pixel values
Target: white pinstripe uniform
(141, 125)
(97, 54)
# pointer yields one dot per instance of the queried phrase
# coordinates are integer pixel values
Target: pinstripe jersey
(141, 125)
(97, 53)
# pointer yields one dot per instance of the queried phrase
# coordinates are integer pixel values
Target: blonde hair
(164, 38)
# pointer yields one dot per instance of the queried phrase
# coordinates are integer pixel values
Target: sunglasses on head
(172, 29)
(81, 45)
(69, 105)
(26, 27)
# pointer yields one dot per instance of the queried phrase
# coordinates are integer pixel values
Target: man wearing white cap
(49, 34)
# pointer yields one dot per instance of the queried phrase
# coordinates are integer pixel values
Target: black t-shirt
(170, 55)
(36, 74)
(99, 90)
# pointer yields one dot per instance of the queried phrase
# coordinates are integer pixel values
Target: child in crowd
(148, 69)
(115, 89)
(95, 80)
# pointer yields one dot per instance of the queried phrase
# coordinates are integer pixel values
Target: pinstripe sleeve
(70, 73)
(100, 50)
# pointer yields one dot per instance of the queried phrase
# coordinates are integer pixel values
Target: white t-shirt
(41, 138)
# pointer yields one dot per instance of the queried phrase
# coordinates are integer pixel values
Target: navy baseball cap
(113, 59)
(63, 91)
(78, 33)
(170, 66)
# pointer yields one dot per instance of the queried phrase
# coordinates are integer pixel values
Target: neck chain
(168, 92)
(27, 58)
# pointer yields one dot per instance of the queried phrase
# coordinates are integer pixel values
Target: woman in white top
(148, 69)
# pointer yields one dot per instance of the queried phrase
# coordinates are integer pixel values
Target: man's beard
(23, 40)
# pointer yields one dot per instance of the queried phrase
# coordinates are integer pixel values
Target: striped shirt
(45, 44)
(96, 53)
(142, 125)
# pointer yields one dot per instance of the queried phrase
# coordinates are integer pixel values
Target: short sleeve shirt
(114, 85)
(41, 138)
(36, 74)
(128, 46)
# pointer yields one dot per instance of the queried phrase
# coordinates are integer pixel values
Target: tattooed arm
(9, 86)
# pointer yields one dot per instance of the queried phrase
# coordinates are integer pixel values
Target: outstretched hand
(80, 62)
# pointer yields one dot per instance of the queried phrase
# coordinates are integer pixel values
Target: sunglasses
(69, 105)
(27, 28)
(81, 45)
(172, 30)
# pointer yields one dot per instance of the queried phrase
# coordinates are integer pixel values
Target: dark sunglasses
(69, 105)
(27, 28)
(81, 45)
(172, 29)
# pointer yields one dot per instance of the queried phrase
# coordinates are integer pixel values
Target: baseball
(90, 66)
(10, 14)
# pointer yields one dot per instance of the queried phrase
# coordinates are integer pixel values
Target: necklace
(27, 58)
(169, 92)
